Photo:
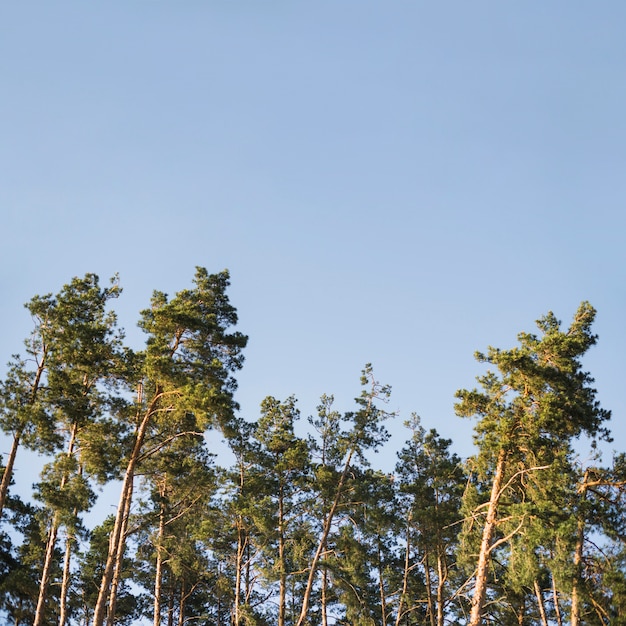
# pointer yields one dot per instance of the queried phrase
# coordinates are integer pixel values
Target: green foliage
(300, 528)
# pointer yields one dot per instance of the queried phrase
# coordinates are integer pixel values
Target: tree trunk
(158, 575)
(542, 608)
(183, 602)
(405, 574)
(47, 567)
(117, 535)
(282, 590)
(578, 557)
(65, 583)
(429, 592)
(442, 574)
(480, 589)
(321, 546)
(119, 559)
(557, 607)
(7, 475)
(381, 584)
(52, 539)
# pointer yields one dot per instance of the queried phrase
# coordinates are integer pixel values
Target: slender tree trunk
(117, 535)
(47, 568)
(557, 607)
(480, 589)
(381, 583)
(238, 569)
(7, 475)
(170, 607)
(119, 559)
(65, 582)
(429, 592)
(51, 544)
(158, 575)
(405, 574)
(321, 546)
(442, 574)
(324, 598)
(282, 590)
(542, 608)
(578, 555)
(183, 603)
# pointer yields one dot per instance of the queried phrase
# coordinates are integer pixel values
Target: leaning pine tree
(530, 409)
(185, 372)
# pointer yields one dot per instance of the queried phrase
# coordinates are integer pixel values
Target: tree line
(299, 529)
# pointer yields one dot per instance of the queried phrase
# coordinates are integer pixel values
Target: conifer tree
(537, 401)
(186, 369)
(340, 449)
(431, 483)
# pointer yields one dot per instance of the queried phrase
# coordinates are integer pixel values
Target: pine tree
(186, 369)
(537, 402)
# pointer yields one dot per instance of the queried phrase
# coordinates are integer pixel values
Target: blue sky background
(400, 182)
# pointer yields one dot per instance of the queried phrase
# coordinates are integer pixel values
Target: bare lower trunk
(542, 609)
(238, 570)
(429, 593)
(324, 598)
(158, 576)
(65, 582)
(52, 539)
(557, 607)
(578, 557)
(47, 568)
(183, 601)
(484, 557)
(381, 584)
(405, 574)
(442, 575)
(116, 540)
(282, 591)
(119, 559)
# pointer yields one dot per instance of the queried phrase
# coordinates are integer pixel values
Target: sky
(398, 182)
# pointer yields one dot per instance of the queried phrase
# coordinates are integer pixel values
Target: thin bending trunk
(47, 568)
(542, 609)
(321, 546)
(480, 589)
(557, 607)
(51, 544)
(116, 539)
(119, 559)
(7, 475)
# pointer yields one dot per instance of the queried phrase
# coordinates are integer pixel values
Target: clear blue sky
(398, 182)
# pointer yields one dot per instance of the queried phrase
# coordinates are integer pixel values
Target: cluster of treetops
(300, 530)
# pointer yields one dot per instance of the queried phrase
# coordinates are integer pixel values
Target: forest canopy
(300, 528)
